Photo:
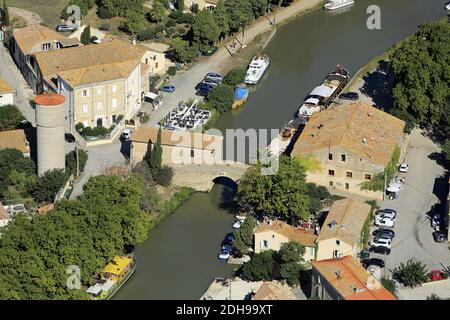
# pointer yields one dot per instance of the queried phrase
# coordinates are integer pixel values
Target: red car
(436, 275)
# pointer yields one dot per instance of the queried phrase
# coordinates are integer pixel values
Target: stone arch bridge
(201, 177)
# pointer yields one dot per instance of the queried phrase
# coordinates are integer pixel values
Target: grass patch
(48, 10)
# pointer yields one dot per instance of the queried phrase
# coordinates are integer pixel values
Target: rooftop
(117, 265)
(345, 221)
(230, 289)
(35, 34)
(3, 214)
(360, 128)
(351, 280)
(302, 236)
(274, 291)
(14, 139)
(49, 99)
(5, 87)
(185, 139)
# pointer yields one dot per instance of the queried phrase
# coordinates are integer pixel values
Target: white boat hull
(255, 80)
(330, 6)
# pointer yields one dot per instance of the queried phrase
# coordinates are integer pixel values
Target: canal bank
(179, 259)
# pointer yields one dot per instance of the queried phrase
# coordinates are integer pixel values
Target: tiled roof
(351, 280)
(302, 236)
(274, 291)
(361, 129)
(156, 46)
(3, 214)
(32, 35)
(5, 87)
(14, 139)
(93, 63)
(176, 138)
(349, 216)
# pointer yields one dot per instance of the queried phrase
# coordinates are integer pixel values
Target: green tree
(183, 52)
(259, 7)
(235, 77)
(283, 195)
(389, 284)
(240, 13)
(420, 66)
(71, 161)
(290, 271)
(411, 274)
(180, 5)
(260, 267)
(243, 238)
(155, 160)
(13, 160)
(134, 22)
(86, 35)
(5, 18)
(222, 97)
(10, 117)
(158, 12)
(221, 18)
(446, 149)
(291, 252)
(164, 176)
(205, 30)
(48, 185)
(119, 7)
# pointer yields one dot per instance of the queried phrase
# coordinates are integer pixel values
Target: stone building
(341, 233)
(202, 4)
(352, 144)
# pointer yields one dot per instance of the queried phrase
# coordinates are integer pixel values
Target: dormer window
(46, 46)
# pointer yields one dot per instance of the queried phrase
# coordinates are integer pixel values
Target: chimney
(338, 274)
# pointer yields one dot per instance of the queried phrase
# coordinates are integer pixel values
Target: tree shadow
(439, 158)
(440, 188)
(125, 149)
(228, 193)
(378, 86)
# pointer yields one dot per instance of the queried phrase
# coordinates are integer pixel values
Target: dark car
(203, 92)
(439, 236)
(373, 262)
(380, 250)
(349, 96)
(69, 137)
(384, 233)
(65, 28)
(204, 86)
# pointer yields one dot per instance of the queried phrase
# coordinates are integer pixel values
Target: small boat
(447, 6)
(237, 224)
(285, 137)
(337, 4)
(256, 69)
(240, 96)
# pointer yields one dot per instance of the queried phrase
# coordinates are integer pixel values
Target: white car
(385, 214)
(126, 134)
(404, 167)
(385, 223)
(381, 242)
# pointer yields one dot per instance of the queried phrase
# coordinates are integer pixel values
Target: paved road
(12, 75)
(423, 185)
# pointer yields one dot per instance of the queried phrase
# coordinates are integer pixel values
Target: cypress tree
(86, 35)
(180, 5)
(5, 14)
(156, 154)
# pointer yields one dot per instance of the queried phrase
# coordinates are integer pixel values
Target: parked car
(168, 88)
(349, 96)
(439, 236)
(437, 274)
(126, 134)
(385, 233)
(203, 92)
(204, 86)
(380, 250)
(214, 76)
(210, 82)
(435, 220)
(385, 223)
(373, 262)
(385, 214)
(404, 167)
(65, 28)
(224, 254)
(381, 242)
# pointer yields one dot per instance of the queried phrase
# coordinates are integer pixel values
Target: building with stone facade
(202, 4)
(341, 233)
(351, 144)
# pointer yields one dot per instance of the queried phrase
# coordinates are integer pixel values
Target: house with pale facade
(345, 279)
(341, 233)
(273, 234)
(202, 4)
(179, 147)
(351, 144)
(6, 93)
(28, 41)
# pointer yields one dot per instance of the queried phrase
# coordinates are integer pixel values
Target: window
(114, 88)
(192, 153)
(46, 46)
(330, 183)
(85, 108)
(114, 103)
(331, 173)
(349, 174)
(338, 242)
(347, 186)
(330, 156)
(336, 254)
(367, 176)
(84, 93)
(343, 157)
(264, 244)
(99, 106)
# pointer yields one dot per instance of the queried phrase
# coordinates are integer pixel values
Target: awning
(313, 101)
(321, 91)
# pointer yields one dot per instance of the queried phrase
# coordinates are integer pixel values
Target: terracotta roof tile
(32, 35)
(349, 215)
(349, 126)
(274, 291)
(302, 236)
(351, 280)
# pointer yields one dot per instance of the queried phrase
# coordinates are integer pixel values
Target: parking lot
(424, 184)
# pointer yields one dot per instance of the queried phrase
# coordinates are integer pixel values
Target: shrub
(71, 161)
(181, 30)
(235, 77)
(160, 36)
(163, 176)
(194, 8)
(145, 35)
(48, 185)
(100, 131)
(222, 97)
(79, 126)
(186, 18)
(88, 132)
(104, 27)
(172, 70)
(176, 14)
(10, 117)
(171, 31)
(259, 268)
(104, 13)
(389, 284)
(171, 23)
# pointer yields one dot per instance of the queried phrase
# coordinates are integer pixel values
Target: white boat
(447, 6)
(256, 69)
(285, 137)
(336, 4)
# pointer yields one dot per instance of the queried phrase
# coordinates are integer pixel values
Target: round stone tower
(50, 132)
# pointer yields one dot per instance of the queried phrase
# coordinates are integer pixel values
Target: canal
(179, 259)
